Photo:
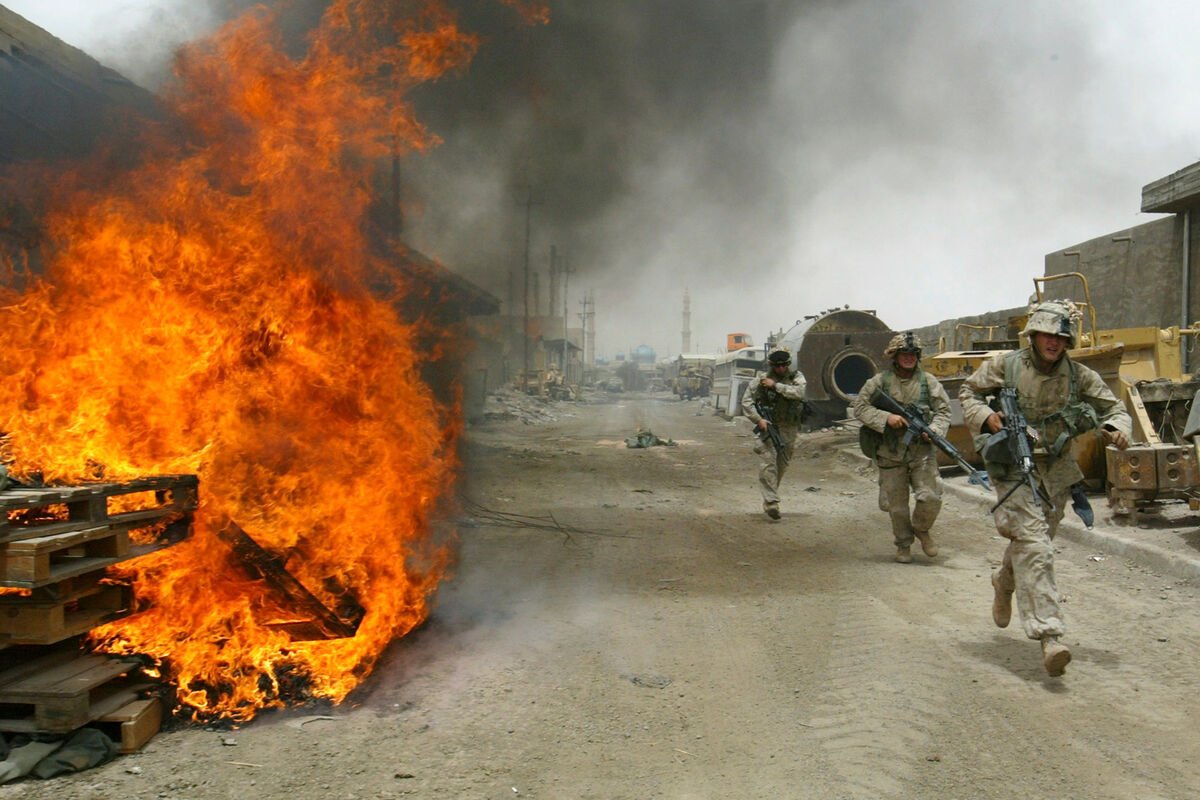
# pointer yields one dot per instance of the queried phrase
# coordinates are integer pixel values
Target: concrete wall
(942, 335)
(1134, 275)
(1134, 278)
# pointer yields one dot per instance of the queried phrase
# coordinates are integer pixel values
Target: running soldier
(903, 467)
(1061, 400)
(780, 393)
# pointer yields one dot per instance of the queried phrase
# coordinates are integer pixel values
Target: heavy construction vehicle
(693, 376)
(1143, 367)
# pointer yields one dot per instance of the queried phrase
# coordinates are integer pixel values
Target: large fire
(207, 312)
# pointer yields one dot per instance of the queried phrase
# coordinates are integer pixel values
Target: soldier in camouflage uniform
(780, 391)
(901, 466)
(1061, 400)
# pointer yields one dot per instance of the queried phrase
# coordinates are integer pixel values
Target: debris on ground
(509, 404)
(650, 680)
(647, 439)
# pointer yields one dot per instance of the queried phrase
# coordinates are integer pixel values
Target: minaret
(687, 322)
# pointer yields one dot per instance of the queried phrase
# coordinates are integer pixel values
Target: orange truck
(736, 341)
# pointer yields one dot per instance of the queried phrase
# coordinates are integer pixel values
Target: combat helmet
(907, 342)
(779, 356)
(1058, 317)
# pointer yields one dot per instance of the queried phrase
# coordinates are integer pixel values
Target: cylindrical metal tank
(837, 352)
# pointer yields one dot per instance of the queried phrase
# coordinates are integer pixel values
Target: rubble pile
(508, 404)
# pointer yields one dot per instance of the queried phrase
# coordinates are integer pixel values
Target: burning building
(221, 299)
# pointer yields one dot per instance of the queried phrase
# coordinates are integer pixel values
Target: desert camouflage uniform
(901, 466)
(1028, 566)
(786, 402)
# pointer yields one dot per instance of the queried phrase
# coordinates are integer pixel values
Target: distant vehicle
(732, 375)
(737, 341)
(693, 375)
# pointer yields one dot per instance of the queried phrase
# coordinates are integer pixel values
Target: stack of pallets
(56, 544)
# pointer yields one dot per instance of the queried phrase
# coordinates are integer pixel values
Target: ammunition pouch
(869, 440)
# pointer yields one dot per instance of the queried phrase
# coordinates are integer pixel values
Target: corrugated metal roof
(55, 99)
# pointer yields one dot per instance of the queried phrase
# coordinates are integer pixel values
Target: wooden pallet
(46, 559)
(62, 690)
(91, 538)
(87, 504)
(132, 725)
(59, 611)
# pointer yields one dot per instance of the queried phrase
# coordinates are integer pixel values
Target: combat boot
(904, 555)
(1055, 656)
(772, 510)
(1001, 603)
(928, 546)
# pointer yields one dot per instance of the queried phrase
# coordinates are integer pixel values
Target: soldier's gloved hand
(1116, 438)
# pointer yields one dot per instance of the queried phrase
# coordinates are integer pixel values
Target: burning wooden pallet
(56, 544)
(37, 550)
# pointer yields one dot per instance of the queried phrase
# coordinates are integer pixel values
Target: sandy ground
(628, 624)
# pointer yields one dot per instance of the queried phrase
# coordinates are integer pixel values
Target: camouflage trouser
(772, 467)
(895, 479)
(1028, 566)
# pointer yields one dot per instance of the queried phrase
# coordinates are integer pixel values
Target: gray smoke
(776, 158)
(638, 129)
(918, 157)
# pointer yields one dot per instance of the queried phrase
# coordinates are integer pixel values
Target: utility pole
(567, 269)
(510, 322)
(397, 211)
(588, 318)
(525, 331)
(687, 322)
(554, 288)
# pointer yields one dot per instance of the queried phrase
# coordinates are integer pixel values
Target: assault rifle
(1015, 437)
(772, 433)
(918, 426)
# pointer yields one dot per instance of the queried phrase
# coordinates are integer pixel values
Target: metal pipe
(1185, 289)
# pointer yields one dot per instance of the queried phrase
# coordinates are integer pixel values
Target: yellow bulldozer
(1143, 366)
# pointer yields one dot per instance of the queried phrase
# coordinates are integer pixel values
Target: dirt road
(668, 640)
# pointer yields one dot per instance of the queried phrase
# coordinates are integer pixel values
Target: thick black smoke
(636, 129)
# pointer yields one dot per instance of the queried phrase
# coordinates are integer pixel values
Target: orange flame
(207, 312)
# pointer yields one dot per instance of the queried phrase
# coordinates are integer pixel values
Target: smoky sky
(775, 159)
(629, 132)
